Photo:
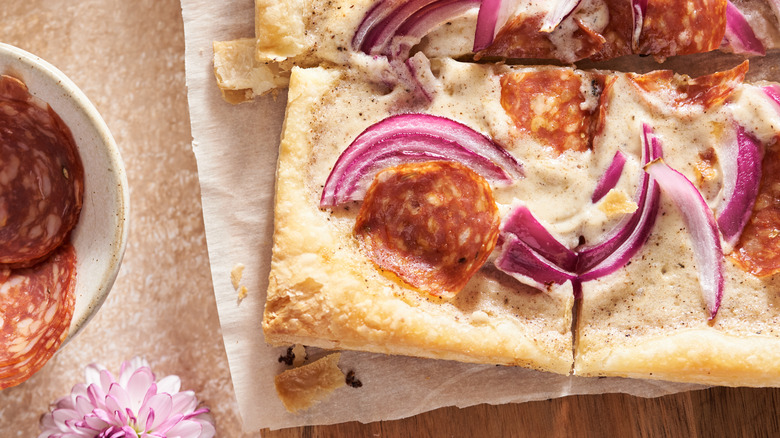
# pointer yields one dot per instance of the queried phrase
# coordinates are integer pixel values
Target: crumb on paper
(242, 292)
(353, 381)
(240, 77)
(235, 275)
(294, 356)
(299, 388)
(617, 202)
(299, 354)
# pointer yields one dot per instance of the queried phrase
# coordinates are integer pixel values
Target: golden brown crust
(299, 388)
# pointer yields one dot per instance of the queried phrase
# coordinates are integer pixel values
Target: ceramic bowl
(101, 233)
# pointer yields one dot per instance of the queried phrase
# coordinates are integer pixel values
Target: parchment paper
(236, 150)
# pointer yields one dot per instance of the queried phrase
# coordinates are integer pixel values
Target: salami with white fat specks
(41, 178)
(36, 307)
(431, 224)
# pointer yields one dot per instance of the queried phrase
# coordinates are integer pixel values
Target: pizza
(584, 222)
(326, 32)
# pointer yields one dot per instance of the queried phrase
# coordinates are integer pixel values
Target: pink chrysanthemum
(133, 406)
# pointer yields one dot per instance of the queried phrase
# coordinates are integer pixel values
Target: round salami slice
(41, 178)
(758, 249)
(558, 106)
(431, 224)
(36, 307)
(682, 27)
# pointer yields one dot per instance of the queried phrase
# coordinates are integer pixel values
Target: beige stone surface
(128, 58)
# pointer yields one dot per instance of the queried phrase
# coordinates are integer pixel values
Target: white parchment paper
(236, 150)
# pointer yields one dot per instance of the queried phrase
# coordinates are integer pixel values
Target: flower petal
(128, 368)
(92, 373)
(106, 379)
(157, 410)
(170, 384)
(138, 385)
(185, 429)
(184, 402)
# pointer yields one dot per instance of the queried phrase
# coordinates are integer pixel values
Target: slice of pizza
(466, 229)
(696, 301)
(385, 221)
(319, 32)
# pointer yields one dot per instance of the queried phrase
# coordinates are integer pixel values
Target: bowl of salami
(63, 212)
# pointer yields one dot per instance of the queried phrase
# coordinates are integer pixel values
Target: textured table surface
(128, 57)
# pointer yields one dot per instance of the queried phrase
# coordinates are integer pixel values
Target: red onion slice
(493, 15)
(560, 11)
(415, 134)
(739, 35)
(378, 36)
(371, 20)
(741, 168)
(701, 225)
(607, 256)
(527, 266)
(639, 11)
(522, 224)
(773, 91)
(424, 21)
(611, 176)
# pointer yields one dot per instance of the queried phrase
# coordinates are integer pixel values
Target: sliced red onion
(701, 225)
(773, 91)
(380, 34)
(371, 20)
(741, 168)
(739, 34)
(493, 15)
(424, 21)
(560, 11)
(631, 233)
(639, 10)
(529, 267)
(415, 135)
(522, 224)
(419, 67)
(611, 176)
(392, 28)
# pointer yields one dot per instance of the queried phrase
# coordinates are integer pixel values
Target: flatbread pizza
(583, 222)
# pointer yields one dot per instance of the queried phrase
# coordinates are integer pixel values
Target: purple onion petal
(442, 131)
(592, 256)
(560, 11)
(611, 176)
(529, 267)
(741, 168)
(522, 224)
(423, 22)
(739, 35)
(639, 11)
(701, 225)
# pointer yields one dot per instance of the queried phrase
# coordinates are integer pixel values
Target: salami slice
(682, 27)
(558, 106)
(431, 224)
(618, 31)
(665, 90)
(36, 307)
(758, 249)
(41, 178)
(522, 38)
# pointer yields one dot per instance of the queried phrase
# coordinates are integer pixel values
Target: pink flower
(133, 406)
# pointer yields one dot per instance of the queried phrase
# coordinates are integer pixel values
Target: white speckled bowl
(101, 233)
